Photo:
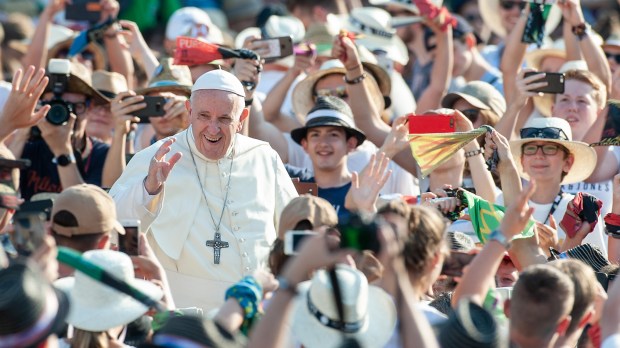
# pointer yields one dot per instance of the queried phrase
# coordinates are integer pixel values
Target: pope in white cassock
(213, 205)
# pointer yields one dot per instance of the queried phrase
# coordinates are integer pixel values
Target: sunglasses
(616, 57)
(471, 114)
(509, 5)
(545, 133)
(547, 149)
(77, 108)
(340, 92)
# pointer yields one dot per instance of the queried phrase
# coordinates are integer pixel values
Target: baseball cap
(93, 209)
(306, 207)
(479, 94)
(193, 22)
(220, 80)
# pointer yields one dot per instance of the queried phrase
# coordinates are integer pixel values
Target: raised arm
(116, 47)
(512, 58)
(36, 54)
(138, 47)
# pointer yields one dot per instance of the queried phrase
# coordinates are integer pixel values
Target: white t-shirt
(268, 80)
(541, 211)
(401, 181)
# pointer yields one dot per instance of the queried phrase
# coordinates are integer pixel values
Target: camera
(359, 233)
(59, 72)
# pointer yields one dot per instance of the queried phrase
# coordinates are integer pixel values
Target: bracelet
(355, 80)
(581, 30)
(285, 285)
(473, 153)
(249, 102)
(249, 295)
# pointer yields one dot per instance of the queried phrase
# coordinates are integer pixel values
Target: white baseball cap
(221, 80)
(193, 22)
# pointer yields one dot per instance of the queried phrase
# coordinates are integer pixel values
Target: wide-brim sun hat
(533, 59)
(275, 26)
(489, 11)
(97, 307)
(80, 81)
(378, 34)
(169, 77)
(611, 42)
(480, 95)
(303, 94)
(584, 155)
(545, 102)
(368, 308)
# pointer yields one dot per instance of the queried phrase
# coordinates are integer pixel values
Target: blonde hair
(599, 92)
(89, 339)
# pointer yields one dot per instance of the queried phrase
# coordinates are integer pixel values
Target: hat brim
(409, 7)
(298, 134)
(489, 10)
(79, 86)
(398, 22)
(176, 89)
(303, 98)
(124, 310)
(99, 57)
(534, 59)
(583, 165)
(244, 34)
(381, 321)
(451, 98)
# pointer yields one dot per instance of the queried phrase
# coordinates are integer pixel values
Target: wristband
(473, 153)
(355, 80)
(580, 30)
(285, 285)
(249, 294)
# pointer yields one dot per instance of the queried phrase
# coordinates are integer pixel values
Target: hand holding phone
(129, 243)
(275, 48)
(29, 232)
(454, 264)
(83, 10)
(154, 108)
(555, 82)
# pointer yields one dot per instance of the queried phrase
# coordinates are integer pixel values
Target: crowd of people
(310, 173)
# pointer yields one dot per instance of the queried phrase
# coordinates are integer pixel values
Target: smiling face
(546, 168)
(509, 15)
(578, 106)
(214, 116)
(328, 147)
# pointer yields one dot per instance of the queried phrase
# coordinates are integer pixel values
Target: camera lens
(58, 114)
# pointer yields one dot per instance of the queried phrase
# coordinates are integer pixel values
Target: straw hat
(369, 312)
(109, 83)
(30, 308)
(275, 26)
(544, 104)
(378, 34)
(489, 10)
(99, 56)
(80, 81)
(98, 307)
(170, 78)
(303, 94)
(57, 33)
(479, 94)
(611, 42)
(585, 156)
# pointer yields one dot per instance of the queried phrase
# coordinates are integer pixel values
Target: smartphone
(555, 82)
(453, 265)
(358, 234)
(43, 206)
(279, 47)
(292, 240)
(154, 108)
(505, 292)
(83, 10)
(129, 242)
(29, 232)
(424, 124)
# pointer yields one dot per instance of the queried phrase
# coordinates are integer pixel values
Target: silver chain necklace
(216, 243)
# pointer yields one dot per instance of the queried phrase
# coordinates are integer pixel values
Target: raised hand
(518, 214)
(19, 109)
(571, 11)
(58, 138)
(496, 141)
(397, 140)
(344, 48)
(547, 235)
(365, 186)
(109, 8)
(121, 108)
(160, 168)
(526, 85)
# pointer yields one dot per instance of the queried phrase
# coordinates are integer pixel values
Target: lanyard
(554, 206)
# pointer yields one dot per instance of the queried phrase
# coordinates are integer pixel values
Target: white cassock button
(223, 174)
(234, 213)
(241, 240)
(236, 228)
(247, 269)
(244, 254)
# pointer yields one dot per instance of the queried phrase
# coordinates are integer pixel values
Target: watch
(285, 285)
(64, 160)
(499, 237)
(580, 30)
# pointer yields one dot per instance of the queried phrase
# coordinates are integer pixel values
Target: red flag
(191, 51)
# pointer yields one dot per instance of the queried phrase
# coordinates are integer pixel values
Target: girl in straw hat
(546, 152)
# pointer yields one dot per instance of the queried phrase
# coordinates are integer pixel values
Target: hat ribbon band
(346, 327)
(369, 30)
(328, 113)
(171, 341)
(165, 83)
(40, 327)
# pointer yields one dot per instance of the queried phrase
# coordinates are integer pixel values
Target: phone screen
(128, 243)
(293, 240)
(453, 265)
(29, 232)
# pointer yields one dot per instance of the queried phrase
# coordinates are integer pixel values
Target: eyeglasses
(471, 114)
(509, 4)
(340, 92)
(77, 108)
(616, 57)
(547, 149)
(545, 133)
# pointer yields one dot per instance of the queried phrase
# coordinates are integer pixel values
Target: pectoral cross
(217, 244)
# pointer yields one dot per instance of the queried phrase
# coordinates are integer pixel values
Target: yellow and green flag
(486, 217)
(433, 149)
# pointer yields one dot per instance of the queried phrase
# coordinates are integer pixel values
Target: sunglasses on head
(545, 133)
(340, 92)
(547, 149)
(471, 114)
(510, 4)
(616, 57)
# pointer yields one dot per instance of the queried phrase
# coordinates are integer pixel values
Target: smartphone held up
(129, 243)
